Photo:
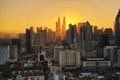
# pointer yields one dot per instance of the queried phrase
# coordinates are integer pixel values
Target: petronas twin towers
(60, 30)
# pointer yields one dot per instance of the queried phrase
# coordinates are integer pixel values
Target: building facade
(69, 58)
(117, 29)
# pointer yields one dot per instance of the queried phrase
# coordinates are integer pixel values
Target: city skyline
(16, 15)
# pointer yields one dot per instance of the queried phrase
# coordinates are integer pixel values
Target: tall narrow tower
(117, 29)
(64, 28)
(58, 30)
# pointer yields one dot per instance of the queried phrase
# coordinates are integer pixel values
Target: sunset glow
(16, 15)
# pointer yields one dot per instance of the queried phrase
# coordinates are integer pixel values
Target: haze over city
(59, 39)
(16, 15)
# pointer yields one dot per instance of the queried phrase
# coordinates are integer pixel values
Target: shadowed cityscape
(74, 49)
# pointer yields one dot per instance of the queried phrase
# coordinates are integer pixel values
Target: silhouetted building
(95, 36)
(71, 36)
(22, 39)
(117, 29)
(86, 38)
(64, 28)
(109, 32)
(103, 40)
(28, 41)
(50, 36)
(58, 30)
(40, 39)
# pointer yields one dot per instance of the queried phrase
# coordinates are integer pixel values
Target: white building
(42, 56)
(8, 53)
(56, 52)
(69, 58)
(96, 63)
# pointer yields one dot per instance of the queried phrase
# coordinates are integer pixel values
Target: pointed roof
(119, 12)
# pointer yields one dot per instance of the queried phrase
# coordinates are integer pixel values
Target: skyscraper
(58, 30)
(71, 35)
(117, 29)
(103, 40)
(86, 38)
(29, 39)
(64, 28)
(40, 39)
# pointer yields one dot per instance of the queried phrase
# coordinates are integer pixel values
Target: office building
(103, 40)
(64, 29)
(86, 38)
(117, 29)
(28, 41)
(50, 36)
(40, 39)
(71, 36)
(30, 35)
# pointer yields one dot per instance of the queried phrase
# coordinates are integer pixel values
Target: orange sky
(16, 15)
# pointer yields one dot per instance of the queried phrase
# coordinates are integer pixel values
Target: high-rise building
(22, 42)
(64, 28)
(95, 35)
(28, 41)
(30, 35)
(86, 38)
(22, 39)
(71, 36)
(109, 32)
(103, 40)
(40, 39)
(117, 29)
(50, 36)
(58, 30)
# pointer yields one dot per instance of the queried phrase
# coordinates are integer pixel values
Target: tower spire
(119, 12)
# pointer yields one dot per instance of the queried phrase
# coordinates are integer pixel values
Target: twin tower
(60, 29)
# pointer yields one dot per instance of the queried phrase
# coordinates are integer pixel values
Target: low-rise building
(91, 64)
